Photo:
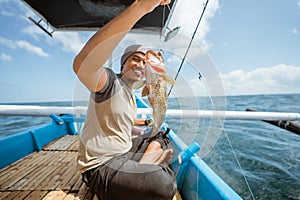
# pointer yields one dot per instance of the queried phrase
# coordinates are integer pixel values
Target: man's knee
(154, 145)
(166, 187)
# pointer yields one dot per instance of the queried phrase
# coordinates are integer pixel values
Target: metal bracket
(38, 23)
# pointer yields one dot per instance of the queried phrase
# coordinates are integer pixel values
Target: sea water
(258, 160)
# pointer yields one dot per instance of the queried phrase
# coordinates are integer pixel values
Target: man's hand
(150, 5)
(137, 131)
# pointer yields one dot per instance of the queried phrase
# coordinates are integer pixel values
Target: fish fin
(145, 91)
(169, 80)
(137, 85)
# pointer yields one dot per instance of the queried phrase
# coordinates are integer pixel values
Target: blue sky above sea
(254, 47)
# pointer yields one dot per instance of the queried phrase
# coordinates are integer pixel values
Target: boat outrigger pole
(284, 124)
(189, 46)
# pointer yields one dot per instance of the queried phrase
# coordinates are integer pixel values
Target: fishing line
(189, 46)
(213, 105)
(238, 162)
(233, 151)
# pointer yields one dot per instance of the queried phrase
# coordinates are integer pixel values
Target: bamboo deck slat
(65, 143)
(52, 171)
(50, 174)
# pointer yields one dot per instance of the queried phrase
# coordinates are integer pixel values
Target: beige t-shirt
(108, 124)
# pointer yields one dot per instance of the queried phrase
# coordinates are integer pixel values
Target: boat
(29, 159)
(41, 163)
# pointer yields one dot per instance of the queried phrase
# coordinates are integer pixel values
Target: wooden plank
(82, 191)
(71, 157)
(52, 181)
(42, 174)
(5, 178)
(63, 144)
(9, 170)
(10, 195)
(66, 177)
(63, 158)
(51, 143)
(27, 180)
(77, 186)
(35, 176)
(72, 182)
(55, 158)
(36, 195)
(22, 195)
(16, 175)
(74, 146)
(44, 158)
(18, 162)
(3, 195)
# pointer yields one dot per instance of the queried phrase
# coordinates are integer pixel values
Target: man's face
(134, 67)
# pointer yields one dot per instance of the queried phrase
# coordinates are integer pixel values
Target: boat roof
(93, 14)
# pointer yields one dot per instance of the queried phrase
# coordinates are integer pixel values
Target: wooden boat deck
(48, 174)
(40, 173)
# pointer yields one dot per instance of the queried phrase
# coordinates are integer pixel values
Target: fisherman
(114, 165)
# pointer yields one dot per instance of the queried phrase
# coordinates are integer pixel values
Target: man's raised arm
(88, 64)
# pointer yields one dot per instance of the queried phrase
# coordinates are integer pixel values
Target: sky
(253, 45)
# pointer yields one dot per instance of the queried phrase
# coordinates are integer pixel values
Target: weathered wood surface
(50, 174)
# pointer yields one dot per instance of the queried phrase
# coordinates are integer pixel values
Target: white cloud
(9, 7)
(70, 41)
(277, 79)
(298, 4)
(295, 31)
(188, 20)
(4, 1)
(33, 31)
(5, 57)
(7, 42)
(22, 44)
(31, 48)
(67, 41)
(6, 13)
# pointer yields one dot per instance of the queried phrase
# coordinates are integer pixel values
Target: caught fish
(155, 86)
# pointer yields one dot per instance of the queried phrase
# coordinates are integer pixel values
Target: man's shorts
(123, 177)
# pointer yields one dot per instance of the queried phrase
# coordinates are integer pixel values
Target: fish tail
(169, 80)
